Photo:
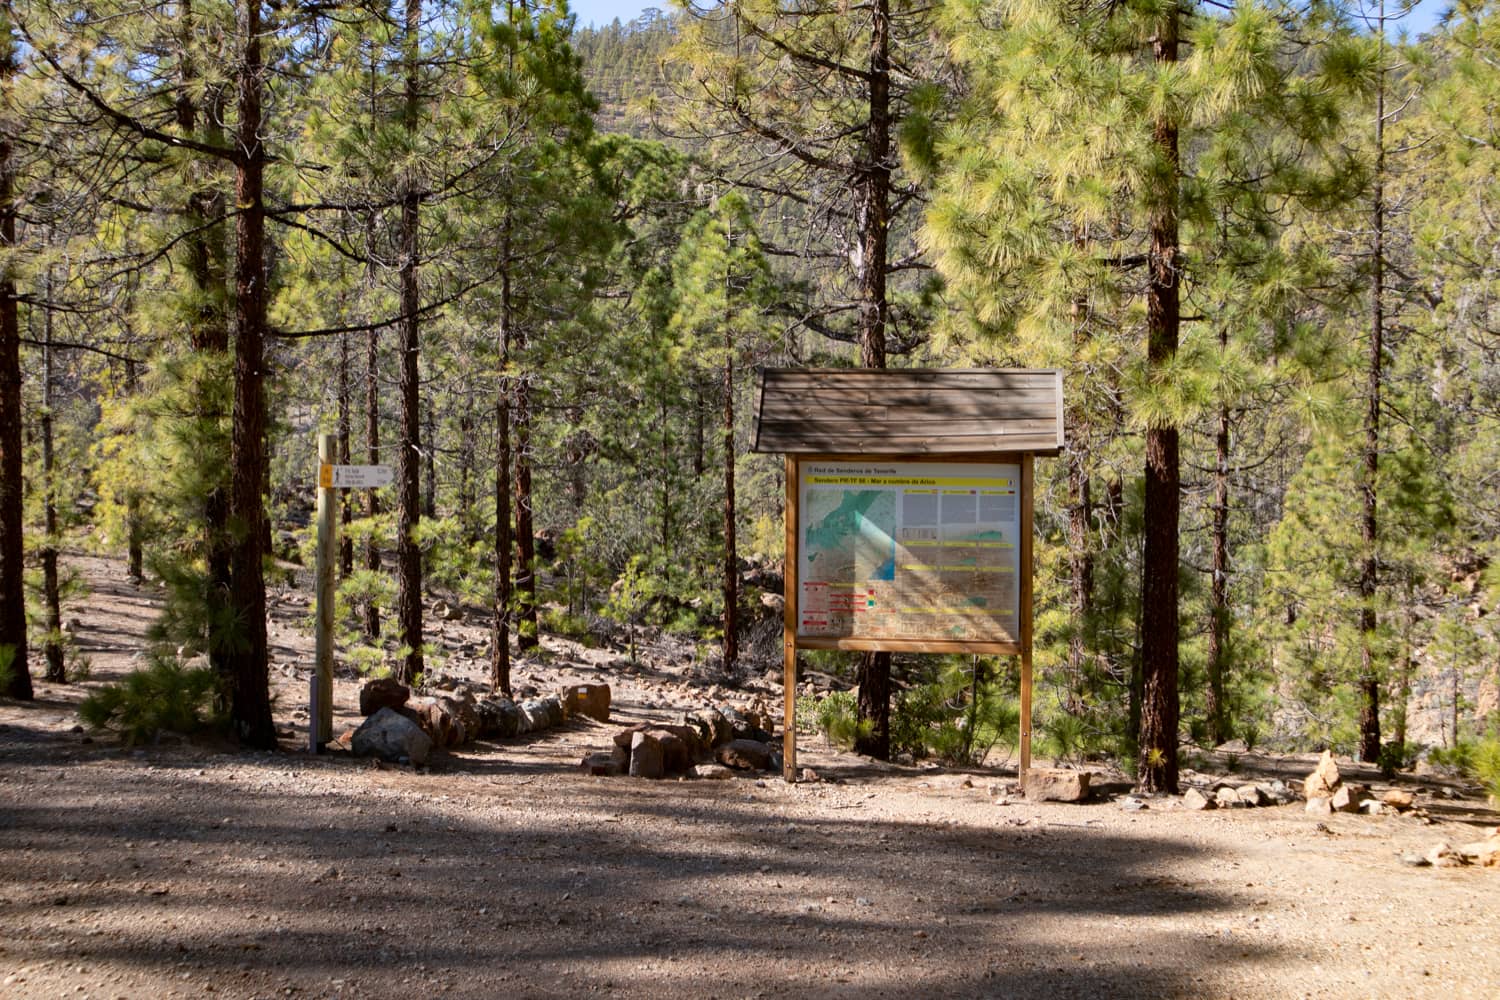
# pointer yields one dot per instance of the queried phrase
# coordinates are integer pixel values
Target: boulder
(645, 756)
(498, 718)
(1196, 800)
(438, 720)
(690, 738)
(1229, 798)
(713, 728)
(1398, 798)
(1346, 799)
(745, 755)
(462, 707)
(391, 736)
(1325, 778)
(1279, 792)
(538, 714)
(1253, 795)
(383, 692)
(1485, 853)
(1318, 806)
(1051, 784)
(676, 756)
(1444, 856)
(591, 700)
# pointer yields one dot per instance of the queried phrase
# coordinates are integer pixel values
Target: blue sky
(600, 12)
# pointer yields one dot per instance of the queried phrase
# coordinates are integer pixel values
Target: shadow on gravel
(273, 879)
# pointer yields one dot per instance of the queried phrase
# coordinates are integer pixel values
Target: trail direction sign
(355, 477)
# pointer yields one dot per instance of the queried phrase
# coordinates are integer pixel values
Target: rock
(713, 729)
(391, 736)
(1371, 807)
(1253, 795)
(1279, 792)
(442, 611)
(383, 692)
(1443, 856)
(676, 756)
(1132, 804)
(1325, 778)
(600, 765)
(1229, 798)
(1233, 747)
(538, 714)
(716, 772)
(688, 735)
(745, 755)
(645, 756)
(1318, 806)
(1415, 860)
(1049, 784)
(438, 720)
(775, 603)
(591, 700)
(1345, 800)
(498, 717)
(462, 707)
(1398, 798)
(1196, 800)
(1483, 852)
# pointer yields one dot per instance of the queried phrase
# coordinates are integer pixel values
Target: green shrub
(164, 697)
(837, 716)
(1485, 766)
(7, 666)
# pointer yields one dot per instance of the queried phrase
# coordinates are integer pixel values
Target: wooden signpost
(908, 512)
(331, 478)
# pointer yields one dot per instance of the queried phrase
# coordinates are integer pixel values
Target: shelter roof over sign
(909, 411)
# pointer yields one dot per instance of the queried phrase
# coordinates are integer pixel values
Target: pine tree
(1119, 129)
(12, 570)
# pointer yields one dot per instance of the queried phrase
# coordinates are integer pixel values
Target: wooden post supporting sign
(320, 695)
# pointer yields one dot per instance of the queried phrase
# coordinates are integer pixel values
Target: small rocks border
(712, 743)
(405, 730)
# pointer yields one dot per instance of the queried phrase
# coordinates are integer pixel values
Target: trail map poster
(909, 550)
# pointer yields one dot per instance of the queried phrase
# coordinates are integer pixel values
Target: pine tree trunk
(134, 558)
(429, 462)
(12, 514)
(873, 223)
(209, 336)
(372, 451)
(346, 500)
(466, 498)
(500, 632)
(249, 702)
(409, 457)
(1369, 572)
(1218, 596)
(525, 582)
(1081, 571)
(1159, 703)
(52, 647)
(731, 567)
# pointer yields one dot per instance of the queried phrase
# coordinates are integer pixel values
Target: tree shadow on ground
(645, 889)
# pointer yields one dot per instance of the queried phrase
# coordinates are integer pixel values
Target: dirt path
(183, 871)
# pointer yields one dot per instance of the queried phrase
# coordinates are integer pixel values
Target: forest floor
(186, 870)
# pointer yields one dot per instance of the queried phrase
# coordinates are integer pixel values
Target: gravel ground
(184, 870)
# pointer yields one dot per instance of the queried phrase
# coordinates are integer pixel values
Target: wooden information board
(908, 531)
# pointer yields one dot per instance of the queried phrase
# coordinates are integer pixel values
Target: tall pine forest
(534, 268)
